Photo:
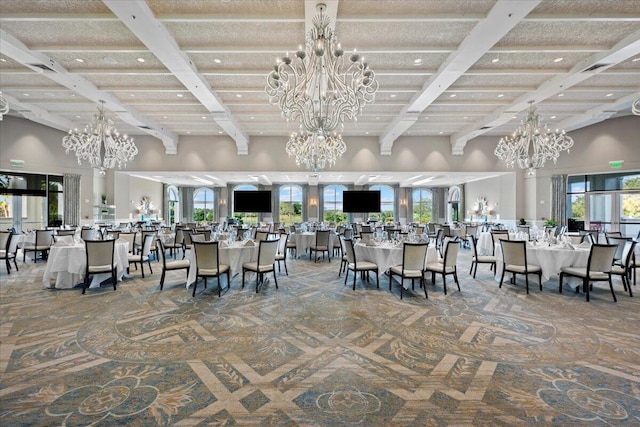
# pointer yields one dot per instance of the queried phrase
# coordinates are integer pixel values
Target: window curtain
(559, 199)
(71, 184)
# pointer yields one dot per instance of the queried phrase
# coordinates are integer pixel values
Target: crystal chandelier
(98, 137)
(315, 150)
(4, 106)
(318, 87)
(532, 144)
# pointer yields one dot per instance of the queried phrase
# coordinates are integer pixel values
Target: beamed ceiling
(458, 68)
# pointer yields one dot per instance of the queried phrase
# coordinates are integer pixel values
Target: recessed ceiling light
(79, 59)
(252, 118)
(238, 95)
(501, 95)
(561, 94)
(164, 117)
(609, 94)
(188, 131)
(73, 94)
(220, 132)
(26, 94)
(217, 60)
(552, 117)
(453, 95)
(140, 59)
(377, 118)
(426, 117)
(494, 60)
(366, 133)
(393, 95)
(110, 60)
(4, 60)
(465, 117)
(440, 132)
(514, 117)
(204, 117)
(558, 59)
(261, 133)
(132, 95)
(77, 117)
(636, 59)
(417, 61)
(179, 95)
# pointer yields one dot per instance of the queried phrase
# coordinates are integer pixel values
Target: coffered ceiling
(458, 68)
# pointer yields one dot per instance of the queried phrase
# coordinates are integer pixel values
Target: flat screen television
(252, 201)
(361, 201)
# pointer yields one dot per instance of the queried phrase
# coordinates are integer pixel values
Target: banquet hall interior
(463, 118)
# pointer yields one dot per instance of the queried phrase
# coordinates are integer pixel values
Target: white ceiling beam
(502, 17)
(596, 64)
(47, 67)
(139, 18)
(38, 114)
(598, 114)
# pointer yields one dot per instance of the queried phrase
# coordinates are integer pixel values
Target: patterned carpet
(315, 352)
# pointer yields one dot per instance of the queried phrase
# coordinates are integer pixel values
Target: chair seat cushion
(485, 258)
(213, 271)
(618, 270)
(363, 265)
(531, 268)
(178, 264)
(439, 267)
(101, 268)
(253, 266)
(319, 248)
(582, 272)
(397, 269)
(36, 248)
(280, 257)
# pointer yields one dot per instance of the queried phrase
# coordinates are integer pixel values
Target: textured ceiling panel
(133, 82)
(556, 61)
(49, 6)
(499, 81)
(414, 8)
(143, 61)
(233, 34)
(568, 33)
(221, 8)
(587, 7)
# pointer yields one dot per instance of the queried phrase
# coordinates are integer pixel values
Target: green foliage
(522, 221)
(422, 211)
(200, 214)
(577, 207)
(337, 217)
(551, 223)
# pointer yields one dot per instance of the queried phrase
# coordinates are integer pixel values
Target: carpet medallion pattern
(315, 352)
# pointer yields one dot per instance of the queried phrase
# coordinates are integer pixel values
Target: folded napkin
(568, 245)
(249, 243)
(584, 245)
(64, 240)
(372, 243)
(223, 244)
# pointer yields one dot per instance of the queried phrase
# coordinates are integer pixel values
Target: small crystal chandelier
(100, 135)
(532, 144)
(316, 87)
(4, 106)
(315, 150)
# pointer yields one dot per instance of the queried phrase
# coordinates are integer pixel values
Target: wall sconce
(223, 202)
(313, 201)
(404, 202)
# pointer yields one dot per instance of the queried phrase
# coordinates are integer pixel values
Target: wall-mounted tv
(361, 201)
(252, 201)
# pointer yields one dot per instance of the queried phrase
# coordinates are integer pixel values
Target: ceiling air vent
(144, 127)
(42, 67)
(594, 67)
(485, 127)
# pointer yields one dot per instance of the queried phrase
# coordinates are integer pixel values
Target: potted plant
(103, 196)
(522, 221)
(551, 223)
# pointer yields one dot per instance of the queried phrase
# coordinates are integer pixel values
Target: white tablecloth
(386, 255)
(550, 258)
(485, 243)
(66, 264)
(234, 256)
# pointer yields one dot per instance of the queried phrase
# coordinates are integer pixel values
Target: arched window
(290, 204)
(332, 206)
(386, 213)
(173, 199)
(453, 213)
(203, 205)
(422, 206)
(246, 217)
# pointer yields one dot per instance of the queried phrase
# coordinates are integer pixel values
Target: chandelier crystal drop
(4, 106)
(318, 87)
(100, 143)
(315, 150)
(532, 144)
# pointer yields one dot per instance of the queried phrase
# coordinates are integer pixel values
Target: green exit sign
(616, 164)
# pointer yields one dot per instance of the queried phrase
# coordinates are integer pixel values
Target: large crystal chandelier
(532, 144)
(4, 106)
(315, 150)
(100, 143)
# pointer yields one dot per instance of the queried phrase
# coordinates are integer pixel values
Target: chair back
(514, 252)
(129, 237)
(112, 234)
(65, 232)
(627, 253)
(186, 238)
(474, 245)
(161, 256)
(620, 243)
(207, 255)
(451, 253)
(446, 230)
(601, 258)
(179, 239)
(471, 230)
(267, 252)
(322, 238)
(414, 256)
(89, 234)
(5, 241)
(282, 244)
(207, 235)
(99, 254)
(350, 251)
(366, 236)
(147, 243)
(261, 235)
(499, 235)
(609, 234)
(197, 237)
(347, 233)
(44, 237)
(365, 228)
(550, 230)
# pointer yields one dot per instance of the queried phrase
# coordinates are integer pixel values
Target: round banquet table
(233, 256)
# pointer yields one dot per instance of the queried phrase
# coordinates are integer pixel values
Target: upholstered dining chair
(480, 259)
(469, 231)
(620, 242)
(598, 268)
(187, 244)
(182, 264)
(42, 244)
(321, 245)
(281, 255)
(144, 254)
(99, 259)
(514, 261)
(261, 235)
(447, 266)
(178, 240)
(624, 270)
(130, 237)
(267, 250)
(208, 264)
(89, 233)
(414, 257)
(363, 267)
(5, 250)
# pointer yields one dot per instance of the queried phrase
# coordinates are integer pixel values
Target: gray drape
(559, 199)
(71, 184)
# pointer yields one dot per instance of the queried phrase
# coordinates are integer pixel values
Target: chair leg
(257, 274)
(377, 278)
(585, 287)
(243, 270)
(425, 286)
(114, 278)
(285, 266)
(162, 278)
(195, 285)
(471, 269)
(444, 282)
(275, 279)
(526, 281)
(354, 280)
(84, 284)
(501, 278)
(611, 287)
(218, 277)
(149, 262)
(228, 279)
(455, 277)
(560, 287)
(390, 278)
(346, 275)
(540, 280)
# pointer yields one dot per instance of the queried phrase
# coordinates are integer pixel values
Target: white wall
(500, 193)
